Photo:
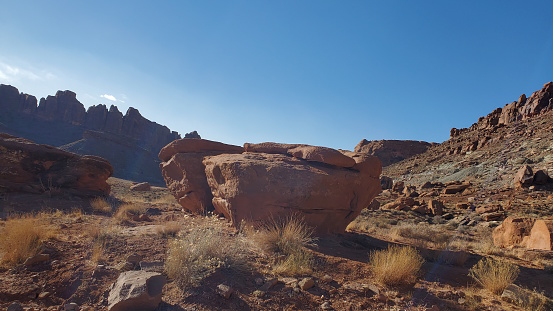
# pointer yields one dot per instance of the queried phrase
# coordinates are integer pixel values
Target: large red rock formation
(184, 173)
(29, 167)
(512, 231)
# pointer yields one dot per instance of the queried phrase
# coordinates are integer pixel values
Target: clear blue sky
(318, 72)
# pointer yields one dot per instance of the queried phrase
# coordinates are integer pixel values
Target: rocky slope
(490, 151)
(62, 120)
(392, 151)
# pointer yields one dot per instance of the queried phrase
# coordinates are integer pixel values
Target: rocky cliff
(62, 120)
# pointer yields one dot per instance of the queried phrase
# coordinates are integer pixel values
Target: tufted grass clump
(193, 256)
(494, 275)
(22, 236)
(396, 265)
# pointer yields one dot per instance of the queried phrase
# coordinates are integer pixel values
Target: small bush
(101, 238)
(494, 275)
(395, 266)
(196, 255)
(287, 239)
(171, 229)
(101, 205)
(127, 211)
(22, 236)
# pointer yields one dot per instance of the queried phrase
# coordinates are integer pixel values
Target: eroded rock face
(512, 231)
(257, 186)
(184, 173)
(136, 290)
(29, 167)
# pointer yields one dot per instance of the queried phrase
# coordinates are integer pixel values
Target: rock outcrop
(392, 151)
(29, 167)
(254, 187)
(512, 231)
(325, 187)
(184, 173)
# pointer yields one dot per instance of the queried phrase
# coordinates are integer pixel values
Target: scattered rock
(224, 290)
(136, 290)
(326, 278)
(43, 295)
(524, 177)
(269, 284)
(152, 266)
(436, 207)
(386, 182)
(514, 294)
(326, 306)
(71, 307)
(455, 188)
(306, 283)
(512, 231)
(144, 186)
(134, 259)
(541, 235)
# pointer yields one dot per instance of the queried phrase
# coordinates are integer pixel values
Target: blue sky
(318, 72)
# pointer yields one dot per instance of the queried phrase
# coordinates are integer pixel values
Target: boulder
(366, 164)
(524, 176)
(136, 291)
(541, 235)
(512, 231)
(196, 145)
(184, 172)
(392, 151)
(143, 186)
(257, 186)
(398, 186)
(29, 167)
(403, 203)
(270, 147)
(436, 207)
(386, 182)
(322, 155)
(455, 188)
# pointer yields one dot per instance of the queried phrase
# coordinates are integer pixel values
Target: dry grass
(396, 266)
(22, 236)
(101, 205)
(197, 254)
(535, 301)
(127, 211)
(166, 198)
(287, 239)
(494, 275)
(424, 235)
(101, 237)
(170, 229)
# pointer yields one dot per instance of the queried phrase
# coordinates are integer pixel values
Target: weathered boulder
(196, 145)
(184, 173)
(436, 207)
(29, 167)
(401, 203)
(136, 291)
(541, 235)
(366, 164)
(512, 231)
(456, 188)
(392, 151)
(524, 176)
(257, 186)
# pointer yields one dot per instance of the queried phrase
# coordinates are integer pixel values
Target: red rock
(257, 186)
(524, 177)
(403, 203)
(512, 231)
(541, 235)
(195, 145)
(322, 155)
(29, 167)
(366, 164)
(436, 207)
(456, 188)
(398, 186)
(270, 147)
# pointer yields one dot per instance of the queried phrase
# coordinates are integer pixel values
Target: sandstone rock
(256, 186)
(374, 206)
(398, 186)
(306, 283)
(143, 186)
(436, 207)
(224, 290)
(195, 145)
(403, 203)
(184, 172)
(386, 182)
(512, 231)
(193, 134)
(270, 147)
(62, 107)
(136, 290)
(410, 191)
(323, 155)
(366, 164)
(29, 167)
(455, 188)
(392, 151)
(524, 177)
(541, 235)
